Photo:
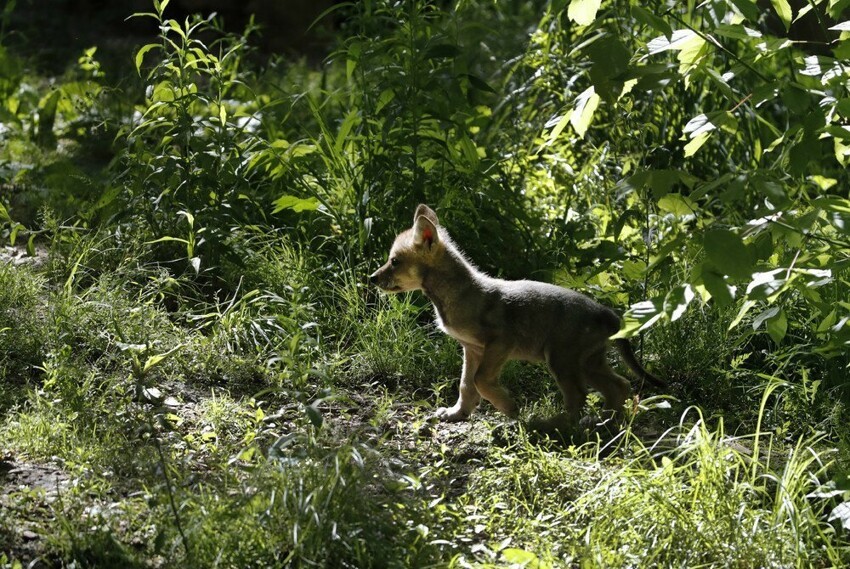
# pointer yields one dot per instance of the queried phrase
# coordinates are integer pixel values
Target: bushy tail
(625, 349)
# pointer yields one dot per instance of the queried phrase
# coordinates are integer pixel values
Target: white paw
(451, 414)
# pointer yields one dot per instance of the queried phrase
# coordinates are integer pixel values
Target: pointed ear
(424, 211)
(424, 232)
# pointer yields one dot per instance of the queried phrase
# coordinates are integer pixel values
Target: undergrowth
(160, 458)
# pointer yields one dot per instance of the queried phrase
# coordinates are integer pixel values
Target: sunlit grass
(267, 477)
(704, 501)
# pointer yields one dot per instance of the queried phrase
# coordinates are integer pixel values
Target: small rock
(29, 535)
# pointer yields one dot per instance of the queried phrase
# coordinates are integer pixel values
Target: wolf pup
(497, 320)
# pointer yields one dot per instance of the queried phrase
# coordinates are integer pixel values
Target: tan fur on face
(402, 271)
(413, 253)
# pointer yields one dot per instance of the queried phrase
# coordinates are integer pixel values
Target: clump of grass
(324, 509)
(392, 339)
(22, 324)
(708, 366)
(707, 501)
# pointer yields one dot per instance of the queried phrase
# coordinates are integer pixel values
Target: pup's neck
(451, 279)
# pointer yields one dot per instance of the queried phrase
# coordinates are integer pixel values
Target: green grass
(22, 324)
(226, 433)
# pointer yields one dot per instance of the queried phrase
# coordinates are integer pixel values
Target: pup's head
(411, 253)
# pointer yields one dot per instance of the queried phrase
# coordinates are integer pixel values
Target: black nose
(373, 279)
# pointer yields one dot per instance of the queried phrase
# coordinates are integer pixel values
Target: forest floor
(114, 452)
(404, 433)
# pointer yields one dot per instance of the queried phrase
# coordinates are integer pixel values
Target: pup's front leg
(468, 398)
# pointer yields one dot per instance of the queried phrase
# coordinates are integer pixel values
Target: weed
(184, 163)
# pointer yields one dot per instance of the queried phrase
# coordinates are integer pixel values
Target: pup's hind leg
(468, 398)
(565, 367)
(615, 389)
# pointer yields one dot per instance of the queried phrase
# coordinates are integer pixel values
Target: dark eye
(394, 261)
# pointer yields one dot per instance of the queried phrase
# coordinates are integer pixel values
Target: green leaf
(583, 110)
(716, 285)
(783, 10)
(350, 67)
(764, 316)
(777, 326)
(652, 20)
(123, 346)
(47, 117)
(107, 197)
(583, 12)
(479, 83)
(175, 26)
(677, 301)
(767, 284)
(640, 316)
(140, 55)
(837, 211)
(469, 151)
(634, 270)
(190, 219)
(696, 143)
(823, 182)
(610, 62)
(560, 123)
(678, 205)
(841, 513)
(737, 32)
(741, 313)
(31, 245)
(748, 8)
(690, 55)
(772, 189)
(662, 181)
(167, 238)
(520, 557)
(728, 253)
(384, 98)
(351, 119)
(314, 414)
(677, 41)
(442, 50)
(296, 204)
(153, 361)
(157, 358)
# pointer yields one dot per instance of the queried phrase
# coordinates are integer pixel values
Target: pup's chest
(460, 329)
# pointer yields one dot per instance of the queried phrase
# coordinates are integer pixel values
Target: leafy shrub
(184, 166)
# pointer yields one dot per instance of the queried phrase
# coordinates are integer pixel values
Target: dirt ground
(17, 255)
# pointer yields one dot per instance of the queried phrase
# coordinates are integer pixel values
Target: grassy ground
(288, 425)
